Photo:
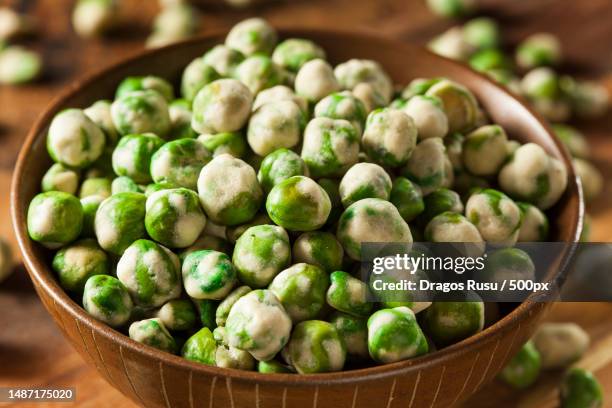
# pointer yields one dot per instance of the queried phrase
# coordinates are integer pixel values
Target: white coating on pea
(496, 216)
(428, 115)
(364, 180)
(252, 36)
(390, 137)
(315, 80)
(355, 71)
(275, 125)
(429, 166)
(560, 344)
(485, 150)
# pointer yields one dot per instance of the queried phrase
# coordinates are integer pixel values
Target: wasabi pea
(174, 22)
(229, 191)
(179, 163)
(446, 323)
(100, 114)
(223, 59)
(348, 294)
(591, 178)
(535, 226)
(533, 176)
(588, 99)
(541, 84)
(142, 83)
(316, 347)
(272, 366)
(407, 198)
(330, 147)
(485, 142)
(252, 36)
(141, 112)
(298, 204)
(74, 140)
(60, 178)
(90, 205)
(428, 115)
(201, 347)
(279, 93)
(258, 72)
(223, 105)
(482, 33)
(490, 59)
(119, 221)
(278, 166)
(371, 220)
(232, 143)
(106, 299)
(459, 104)
(177, 314)
(133, 154)
(318, 248)
(429, 166)
(355, 71)
(394, 335)
(369, 96)
(496, 216)
(452, 227)
(354, 333)
(196, 75)
(301, 290)
(452, 8)
(124, 184)
(573, 139)
(100, 186)
(364, 180)
(225, 306)
(315, 80)
(292, 53)
(451, 44)
(74, 264)
(524, 368)
(259, 324)
(580, 389)
(19, 65)
(439, 201)
(390, 137)
(174, 217)
(152, 332)
(560, 344)
(208, 274)
(54, 219)
(537, 50)
(233, 233)
(206, 309)
(508, 264)
(231, 357)
(342, 105)
(180, 114)
(150, 272)
(275, 125)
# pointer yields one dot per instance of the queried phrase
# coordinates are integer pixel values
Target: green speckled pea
(496, 216)
(482, 33)
(208, 274)
(106, 299)
(371, 220)
(231, 357)
(100, 114)
(74, 264)
(225, 306)
(141, 112)
(196, 75)
(342, 105)
(141, 83)
(580, 389)
(292, 53)
(439, 201)
(459, 103)
(132, 156)
(232, 143)
(535, 226)
(233, 233)
(278, 166)
(406, 196)
(316, 347)
(395, 335)
(229, 191)
(174, 217)
(177, 314)
(356, 71)
(275, 125)
(223, 59)
(506, 264)
(364, 180)
(354, 333)
(524, 368)
(261, 252)
(348, 294)
(74, 140)
(485, 142)
(179, 163)
(180, 120)
(298, 204)
(446, 323)
(537, 50)
(60, 178)
(318, 248)
(258, 72)
(207, 241)
(273, 366)
(259, 324)
(452, 227)
(252, 36)
(332, 188)
(119, 221)
(201, 347)
(55, 218)
(152, 332)
(150, 272)
(124, 184)
(301, 289)
(390, 136)
(429, 166)
(100, 186)
(206, 309)
(90, 205)
(330, 147)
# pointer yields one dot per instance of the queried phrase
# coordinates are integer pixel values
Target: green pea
(223, 59)
(348, 294)
(581, 389)
(225, 306)
(354, 333)
(524, 368)
(452, 8)
(447, 323)
(201, 347)
(278, 166)
(292, 53)
(252, 36)
(488, 59)
(364, 180)
(141, 112)
(90, 205)
(439, 201)
(232, 143)
(258, 72)
(180, 120)
(177, 314)
(152, 332)
(74, 264)
(316, 347)
(208, 274)
(119, 221)
(100, 186)
(124, 184)
(207, 308)
(234, 233)
(342, 105)
(272, 366)
(106, 299)
(407, 198)
(60, 178)
(54, 218)
(231, 357)
(318, 248)
(196, 75)
(482, 33)
(133, 154)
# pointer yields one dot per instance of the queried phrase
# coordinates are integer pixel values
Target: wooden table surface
(32, 350)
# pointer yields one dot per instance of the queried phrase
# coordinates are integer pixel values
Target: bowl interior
(402, 62)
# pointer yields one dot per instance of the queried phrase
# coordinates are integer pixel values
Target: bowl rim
(43, 277)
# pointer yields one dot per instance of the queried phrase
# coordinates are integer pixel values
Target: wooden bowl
(157, 379)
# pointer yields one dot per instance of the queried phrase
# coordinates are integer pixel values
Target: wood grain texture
(33, 350)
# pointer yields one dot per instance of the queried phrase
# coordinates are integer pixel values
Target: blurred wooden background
(32, 351)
